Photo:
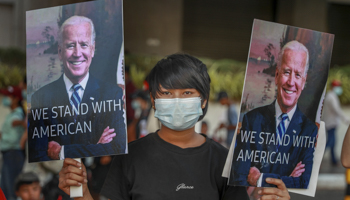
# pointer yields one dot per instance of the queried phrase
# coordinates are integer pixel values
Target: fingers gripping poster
(75, 81)
(281, 106)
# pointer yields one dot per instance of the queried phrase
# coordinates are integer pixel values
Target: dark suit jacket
(78, 141)
(263, 119)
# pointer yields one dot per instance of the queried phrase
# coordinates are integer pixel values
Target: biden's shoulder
(49, 88)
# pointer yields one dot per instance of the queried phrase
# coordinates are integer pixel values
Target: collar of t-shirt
(279, 112)
(68, 83)
(186, 151)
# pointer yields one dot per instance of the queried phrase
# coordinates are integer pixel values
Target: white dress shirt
(278, 118)
(68, 83)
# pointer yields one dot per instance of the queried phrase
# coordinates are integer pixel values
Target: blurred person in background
(130, 89)
(13, 155)
(230, 117)
(28, 187)
(142, 106)
(332, 116)
(23, 86)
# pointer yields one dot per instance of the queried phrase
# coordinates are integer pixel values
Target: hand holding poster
(76, 106)
(283, 94)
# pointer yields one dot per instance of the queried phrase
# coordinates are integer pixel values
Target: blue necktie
(281, 129)
(75, 100)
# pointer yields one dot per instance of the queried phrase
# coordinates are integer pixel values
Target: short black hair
(222, 95)
(180, 71)
(140, 94)
(25, 179)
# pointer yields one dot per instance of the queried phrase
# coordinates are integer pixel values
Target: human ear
(152, 101)
(204, 103)
(59, 52)
(276, 76)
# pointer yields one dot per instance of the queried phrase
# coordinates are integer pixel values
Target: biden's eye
(70, 46)
(84, 45)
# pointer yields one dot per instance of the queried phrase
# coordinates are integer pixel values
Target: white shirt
(278, 118)
(68, 83)
(332, 112)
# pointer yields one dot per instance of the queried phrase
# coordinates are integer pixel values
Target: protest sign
(74, 62)
(281, 105)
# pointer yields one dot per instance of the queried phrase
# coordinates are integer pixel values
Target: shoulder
(307, 123)
(105, 87)
(47, 93)
(259, 110)
(49, 88)
(217, 147)
(216, 153)
(260, 113)
(141, 145)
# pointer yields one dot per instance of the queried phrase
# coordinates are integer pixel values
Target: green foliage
(13, 57)
(226, 75)
(10, 75)
(342, 74)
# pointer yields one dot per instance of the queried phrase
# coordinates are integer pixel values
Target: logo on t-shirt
(183, 186)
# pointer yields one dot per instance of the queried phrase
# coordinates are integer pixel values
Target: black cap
(222, 95)
(25, 178)
(141, 94)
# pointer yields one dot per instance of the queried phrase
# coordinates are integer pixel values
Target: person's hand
(253, 176)
(107, 136)
(53, 150)
(71, 175)
(298, 170)
(280, 192)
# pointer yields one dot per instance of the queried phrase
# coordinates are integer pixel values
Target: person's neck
(183, 139)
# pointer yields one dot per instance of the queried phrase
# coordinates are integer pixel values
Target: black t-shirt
(157, 170)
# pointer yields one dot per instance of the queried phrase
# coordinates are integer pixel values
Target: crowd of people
(174, 162)
(40, 180)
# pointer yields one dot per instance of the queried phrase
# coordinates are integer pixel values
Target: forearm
(345, 153)
(19, 123)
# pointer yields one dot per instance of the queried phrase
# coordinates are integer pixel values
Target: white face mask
(338, 90)
(178, 113)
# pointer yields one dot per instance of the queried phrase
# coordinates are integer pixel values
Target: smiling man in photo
(76, 115)
(272, 151)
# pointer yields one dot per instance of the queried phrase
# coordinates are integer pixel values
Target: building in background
(205, 28)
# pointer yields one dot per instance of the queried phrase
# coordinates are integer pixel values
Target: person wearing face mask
(332, 115)
(13, 156)
(141, 105)
(175, 162)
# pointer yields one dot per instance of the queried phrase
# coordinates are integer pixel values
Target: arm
(345, 151)
(114, 121)
(306, 158)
